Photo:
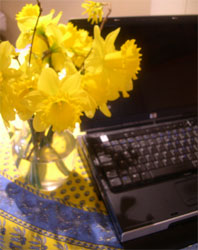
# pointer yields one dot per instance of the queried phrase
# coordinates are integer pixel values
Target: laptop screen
(167, 83)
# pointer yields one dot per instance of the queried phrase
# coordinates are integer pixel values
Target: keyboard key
(158, 164)
(115, 182)
(146, 176)
(126, 154)
(166, 154)
(130, 160)
(174, 152)
(152, 142)
(123, 172)
(126, 146)
(149, 166)
(152, 149)
(146, 137)
(174, 160)
(130, 139)
(136, 178)
(132, 170)
(134, 153)
(122, 163)
(122, 141)
(117, 148)
(105, 158)
(138, 138)
(135, 145)
(159, 140)
(111, 174)
(153, 135)
(141, 167)
(141, 160)
(107, 165)
(126, 180)
(158, 156)
(106, 144)
(114, 142)
(127, 135)
(195, 163)
(149, 158)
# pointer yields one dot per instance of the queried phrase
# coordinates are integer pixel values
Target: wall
(72, 9)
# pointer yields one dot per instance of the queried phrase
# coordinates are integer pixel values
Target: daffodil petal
(58, 60)
(110, 40)
(98, 39)
(72, 83)
(48, 82)
(104, 109)
(5, 50)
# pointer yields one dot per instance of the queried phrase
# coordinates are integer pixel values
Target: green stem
(48, 138)
(34, 31)
(101, 27)
(50, 135)
(106, 17)
(32, 131)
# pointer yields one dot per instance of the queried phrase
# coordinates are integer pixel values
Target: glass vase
(46, 166)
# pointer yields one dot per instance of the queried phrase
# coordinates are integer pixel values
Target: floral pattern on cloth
(72, 217)
(42, 219)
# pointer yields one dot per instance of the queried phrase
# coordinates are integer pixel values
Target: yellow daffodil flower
(24, 85)
(76, 42)
(27, 17)
(6, 79)
(132, 58)
(94, 11)
(57, 102)
(26, 20)
(114, 69)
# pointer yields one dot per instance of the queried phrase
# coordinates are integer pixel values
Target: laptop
(144, 158)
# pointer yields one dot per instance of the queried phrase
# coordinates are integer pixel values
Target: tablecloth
(71, 217)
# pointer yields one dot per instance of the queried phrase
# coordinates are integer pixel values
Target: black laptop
(144, 158)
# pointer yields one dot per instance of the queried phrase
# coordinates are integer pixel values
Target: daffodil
(94, 11)
(6, 80)
(76, 42)
(95, 86)
(57, 103)
(24, 85)
(26, 20)
(110, 69)
(132, 58)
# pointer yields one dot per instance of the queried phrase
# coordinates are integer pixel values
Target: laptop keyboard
(143, 156)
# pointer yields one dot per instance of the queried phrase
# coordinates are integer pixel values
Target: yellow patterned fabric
(71, 217)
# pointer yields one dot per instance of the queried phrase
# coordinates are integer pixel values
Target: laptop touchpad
(188, 191)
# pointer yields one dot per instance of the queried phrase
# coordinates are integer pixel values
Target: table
(71, 217)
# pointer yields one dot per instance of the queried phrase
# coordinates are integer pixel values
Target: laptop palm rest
(153, 208)
(187, 191)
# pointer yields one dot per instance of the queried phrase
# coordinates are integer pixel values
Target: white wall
(162, 7)
(73, 9)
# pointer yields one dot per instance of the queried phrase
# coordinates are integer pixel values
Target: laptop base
(178, 236)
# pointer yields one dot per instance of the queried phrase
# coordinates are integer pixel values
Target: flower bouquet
(58, 73)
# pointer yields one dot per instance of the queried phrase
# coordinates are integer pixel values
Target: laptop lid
(167, 84)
